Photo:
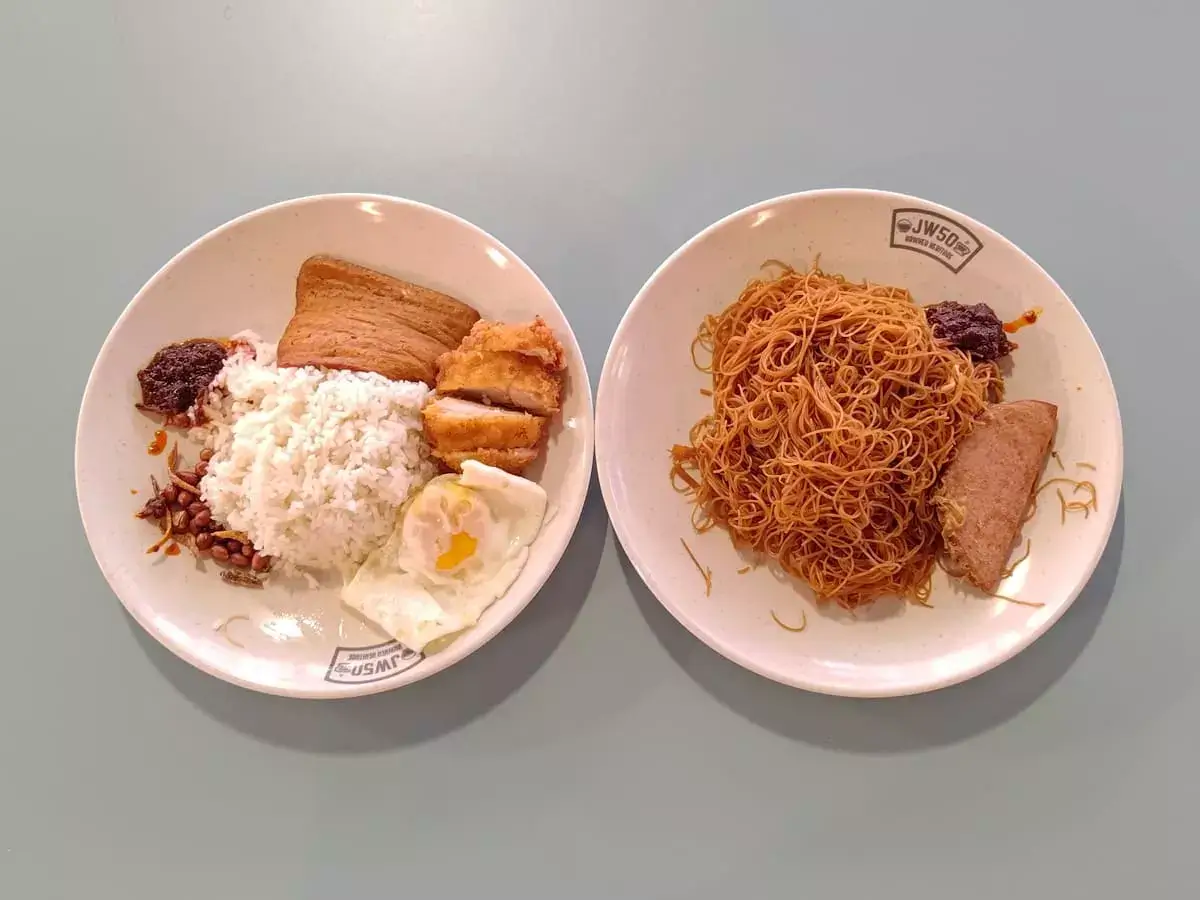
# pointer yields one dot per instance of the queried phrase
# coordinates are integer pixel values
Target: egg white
(401, 586)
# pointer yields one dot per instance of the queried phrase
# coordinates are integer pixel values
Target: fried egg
(458, 546)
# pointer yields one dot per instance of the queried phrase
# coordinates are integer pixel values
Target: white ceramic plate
(300, 643)
(649, 397)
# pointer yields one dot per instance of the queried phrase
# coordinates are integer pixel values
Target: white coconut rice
(310, 464)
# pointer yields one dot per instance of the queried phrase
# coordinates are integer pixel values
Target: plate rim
(607, 458)
(433, 666)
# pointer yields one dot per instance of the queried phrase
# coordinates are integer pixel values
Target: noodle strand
(834, 413)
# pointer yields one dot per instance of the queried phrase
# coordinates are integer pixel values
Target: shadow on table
(901, 724)
(426, 709)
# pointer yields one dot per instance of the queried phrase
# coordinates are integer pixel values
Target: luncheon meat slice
(351, 317)
(985, 490)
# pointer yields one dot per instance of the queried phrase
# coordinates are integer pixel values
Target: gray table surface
(595, 750)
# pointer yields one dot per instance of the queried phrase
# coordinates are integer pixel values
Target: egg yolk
(462, 547)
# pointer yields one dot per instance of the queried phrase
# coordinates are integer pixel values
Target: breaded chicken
(985, 490)
(529, 339)
(516, 366)
(456, 425)
(501, 379)
(514, 461)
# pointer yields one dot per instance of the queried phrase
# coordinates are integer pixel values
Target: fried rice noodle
(834, 413)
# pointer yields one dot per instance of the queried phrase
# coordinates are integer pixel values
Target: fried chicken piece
(457, 425)
(985, 490)
(501, 379)
(351, 317)
(533, 339)
(513, 461)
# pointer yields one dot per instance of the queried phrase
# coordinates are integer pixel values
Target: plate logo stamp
(362, 665)
(936, 236)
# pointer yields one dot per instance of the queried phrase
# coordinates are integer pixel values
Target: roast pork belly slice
(351, 317)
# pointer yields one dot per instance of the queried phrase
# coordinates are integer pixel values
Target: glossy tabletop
(595, 749)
